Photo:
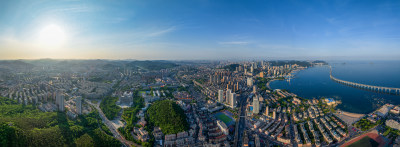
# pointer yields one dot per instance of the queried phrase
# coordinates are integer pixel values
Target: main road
(240, 122)
(111, 127)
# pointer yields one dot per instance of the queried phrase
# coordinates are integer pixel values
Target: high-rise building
(251, 69)
(60, 100)
(267, 111)
(256, 105)
(79, 105)
(221, 96)
(249, 81)
(227, 96)
(237, 86)
(274, 114)
(254, 88)
(233, 100)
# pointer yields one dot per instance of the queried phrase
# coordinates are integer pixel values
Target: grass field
(365, 142)
(226, 119)
(140, 92)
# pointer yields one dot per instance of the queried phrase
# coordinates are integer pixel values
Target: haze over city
(199, 73)
(187, 30)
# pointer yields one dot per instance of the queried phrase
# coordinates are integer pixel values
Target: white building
(221, 96)
(60, 100)
(223, 127)
(232, 100)
(273, 114)
(249, 82)
(126, 98)
(256, 105)
(228, 93)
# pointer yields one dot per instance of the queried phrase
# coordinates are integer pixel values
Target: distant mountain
(319, 62)
(283, 62)
(15, 64)
(151, 65)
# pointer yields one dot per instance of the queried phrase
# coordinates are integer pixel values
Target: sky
(200, 29)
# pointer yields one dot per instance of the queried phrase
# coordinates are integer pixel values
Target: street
(113, 130)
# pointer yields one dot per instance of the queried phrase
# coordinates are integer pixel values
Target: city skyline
(199, 30)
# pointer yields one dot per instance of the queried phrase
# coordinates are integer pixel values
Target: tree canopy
(22, 125)
(109, 107)
(168, 116)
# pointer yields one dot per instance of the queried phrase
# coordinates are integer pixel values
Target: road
(110, 126)
(240, 122)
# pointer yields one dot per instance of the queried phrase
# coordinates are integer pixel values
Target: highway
(110, 126)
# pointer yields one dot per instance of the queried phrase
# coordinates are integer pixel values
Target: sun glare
(52, 35)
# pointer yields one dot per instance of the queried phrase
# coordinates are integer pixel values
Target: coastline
(348, 117)
(292, 73)
(350, 114)
(269, 83)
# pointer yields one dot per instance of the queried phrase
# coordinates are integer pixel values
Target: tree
(109, 107)
(84, 141)
(168, 116)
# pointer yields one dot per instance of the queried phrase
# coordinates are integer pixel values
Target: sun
(52, 35)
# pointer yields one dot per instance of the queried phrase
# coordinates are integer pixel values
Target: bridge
(379, 89)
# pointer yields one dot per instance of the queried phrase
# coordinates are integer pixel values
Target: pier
(379, 89)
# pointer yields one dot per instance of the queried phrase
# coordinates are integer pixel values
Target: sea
(314, 82)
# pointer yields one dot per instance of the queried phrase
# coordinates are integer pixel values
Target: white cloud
(234, 43)
(162, 32)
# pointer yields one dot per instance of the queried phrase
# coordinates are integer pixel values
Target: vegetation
(182, 88)
(282, 63)
(262, 83)
(27, 126)
(364, 124)
(201, 81)
(129, 114)
(391, 133)
(320, 61)
(109, 107)
(168, 116)
(95, 79)
(231, 67)
(280, 78)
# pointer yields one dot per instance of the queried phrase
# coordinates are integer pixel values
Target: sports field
(365, 142)
(370, 139)
(226, 119)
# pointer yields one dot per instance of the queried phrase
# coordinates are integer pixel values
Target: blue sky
(202, 29)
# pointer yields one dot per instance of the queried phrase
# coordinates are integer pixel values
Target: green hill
(27, 126)
(168, 116)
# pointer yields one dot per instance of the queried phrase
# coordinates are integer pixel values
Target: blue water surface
(314, 82)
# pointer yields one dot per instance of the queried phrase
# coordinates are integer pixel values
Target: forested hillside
(27, 126)
(168, 116)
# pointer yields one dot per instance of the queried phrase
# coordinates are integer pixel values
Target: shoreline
(350, 114)
(292, 73)
(269, 83)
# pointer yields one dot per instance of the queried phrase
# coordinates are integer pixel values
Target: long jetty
(379, 89)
